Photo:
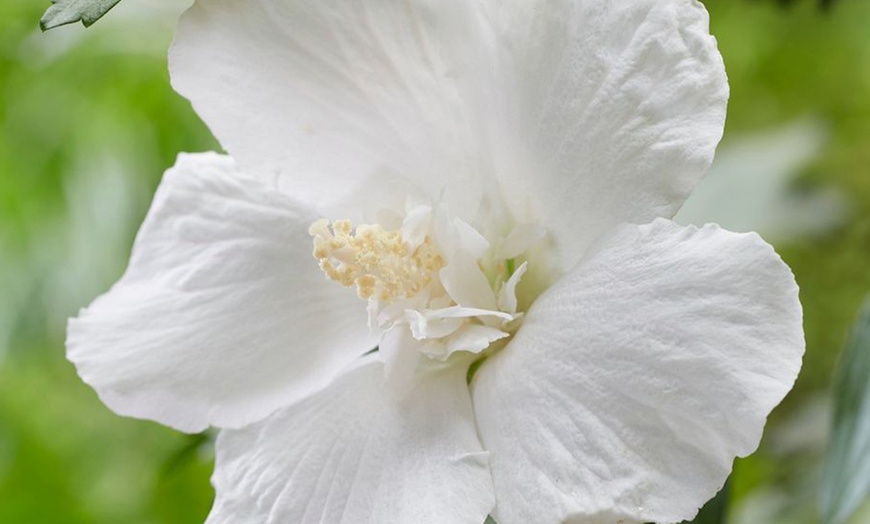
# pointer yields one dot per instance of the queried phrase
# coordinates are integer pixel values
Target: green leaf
(846, 477)
(64, 12)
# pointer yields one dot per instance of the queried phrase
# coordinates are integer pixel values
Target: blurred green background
(88, 123)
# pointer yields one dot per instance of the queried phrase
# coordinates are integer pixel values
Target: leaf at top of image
(846, 478)
(64, 12)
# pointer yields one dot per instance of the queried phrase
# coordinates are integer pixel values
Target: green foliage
(64, 12)
(784, 64)
(846, 481)
(824, 4)
(714, 511)
(75, 462)
(82, 113)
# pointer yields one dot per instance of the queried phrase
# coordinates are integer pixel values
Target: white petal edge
(357, 452)
(619, 107)
(638, 377)
(222, 316)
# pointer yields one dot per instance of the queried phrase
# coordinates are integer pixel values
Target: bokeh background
(88, 123)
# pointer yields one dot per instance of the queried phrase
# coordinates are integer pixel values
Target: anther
(379, 263)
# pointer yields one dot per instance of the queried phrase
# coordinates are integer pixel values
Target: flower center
(379, 263)
(435, 285)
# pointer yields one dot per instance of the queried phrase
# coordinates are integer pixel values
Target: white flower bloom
(470, 175)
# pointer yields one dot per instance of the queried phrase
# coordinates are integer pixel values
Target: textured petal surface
(222, 315)
(619, 107)
(639, 376)
(332, 95)
(589, 112)
(358, 453)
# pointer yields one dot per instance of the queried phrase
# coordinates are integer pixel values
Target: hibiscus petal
(331, 94)
(222, 315)
(473, 338)
(466, 284)
(623, 103)
(507, 295)
(356, 452)
(590, 112)
(637, 378)
(401, 355)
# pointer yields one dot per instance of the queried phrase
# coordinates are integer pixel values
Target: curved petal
(639, 376)
(589, 112)
(620, 106)
(222, 315)
(332, 95)
(356, 452)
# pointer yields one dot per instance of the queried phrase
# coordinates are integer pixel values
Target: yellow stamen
(378, 262)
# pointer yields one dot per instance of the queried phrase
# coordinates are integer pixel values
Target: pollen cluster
(379, 263)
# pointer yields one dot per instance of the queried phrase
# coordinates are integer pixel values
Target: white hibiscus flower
(475, 170)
